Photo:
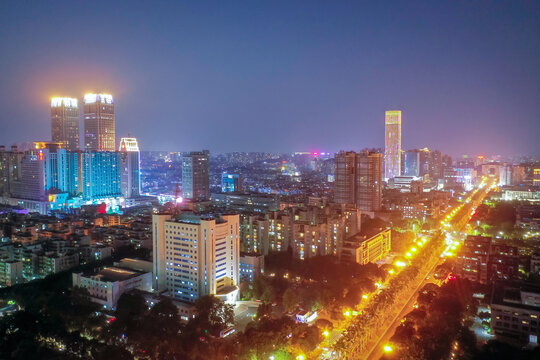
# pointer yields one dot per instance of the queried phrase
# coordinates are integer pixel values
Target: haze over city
(281, 76)
(269, 180)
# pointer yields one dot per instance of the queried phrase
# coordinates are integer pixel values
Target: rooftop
(510, 294)
(114, 273)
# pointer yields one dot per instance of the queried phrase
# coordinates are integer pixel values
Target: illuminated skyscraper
(65, 122)
(99, 124)
(131, 174)
(392, 151)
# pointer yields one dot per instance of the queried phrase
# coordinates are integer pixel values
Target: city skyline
(464, 89)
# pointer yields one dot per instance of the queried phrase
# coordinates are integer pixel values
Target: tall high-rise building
(196, 175)
(99, 123)
(344, 178)
(65, 122)
(412, 163)
(131, 173)
(358, 179)
(10, 169)
(392, 151)
(369, 181)
(32, 183)
(196, 255)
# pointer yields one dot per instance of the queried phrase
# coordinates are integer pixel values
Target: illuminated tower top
(64, 101)
(99, 98)
(128, 145)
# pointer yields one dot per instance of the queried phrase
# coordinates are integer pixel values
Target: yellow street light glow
(326, 333)
(364, 296)
(408, 254)
(347, 313)
(400, 263)
(413, 249)
(300, 357)
(388, 348)
(420, 243)
(390, 271)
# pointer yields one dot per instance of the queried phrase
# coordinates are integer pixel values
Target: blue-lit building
(412, 163)
(251, 266)
(231, 182)
(101, 173)
(69, 171)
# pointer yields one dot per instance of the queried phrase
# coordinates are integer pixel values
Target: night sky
(280, 76)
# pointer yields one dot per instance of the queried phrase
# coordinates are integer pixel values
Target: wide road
(457, 223)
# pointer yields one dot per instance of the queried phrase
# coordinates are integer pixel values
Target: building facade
(515, 312)
(358, 179)
(231, 182)
(196, 255)
(363, 249)
(196, 176)
(131, 169)
(101, 173)
(65, 122)
(99, 123)
(392, 144)
(107, 285)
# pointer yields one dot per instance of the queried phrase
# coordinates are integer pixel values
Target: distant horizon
(27, 144)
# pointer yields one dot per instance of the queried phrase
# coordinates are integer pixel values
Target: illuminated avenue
(269, 181)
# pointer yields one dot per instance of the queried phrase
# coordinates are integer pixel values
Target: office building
(345, 177)
(10, 169)
(363, 249)
(99, 122)
(359, 179)
(69, 171)
(105, 286)
(251, 266)
(101, 173)
(231, 182)
(480, 260)
(196, 255)
(65, 122)
(196, 175)
(412, 163)
(392, 150)
(369, 181)
(131, 172)
(32, 182)
(515, 312)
